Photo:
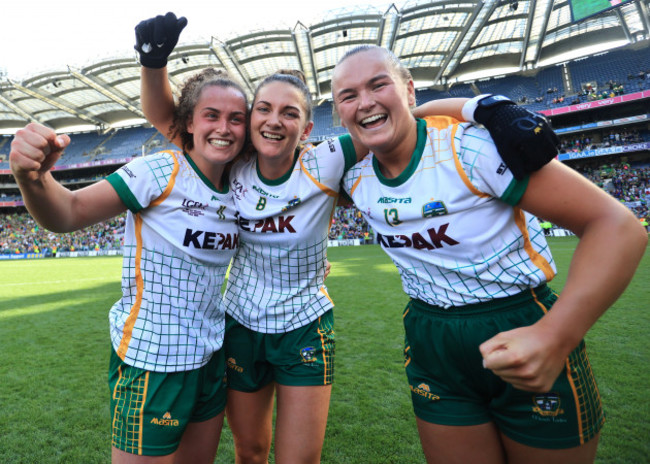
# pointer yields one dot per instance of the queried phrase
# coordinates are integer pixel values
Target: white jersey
(276, 283)
(449, 222)
(180, 237)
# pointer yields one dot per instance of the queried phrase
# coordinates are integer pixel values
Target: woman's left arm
(612, 243)
(445, 106)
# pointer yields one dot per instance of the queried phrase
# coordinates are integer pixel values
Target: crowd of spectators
(602, 140)
(19, 234)
(590, 91)
(630, 185)
(348, 223)
(612, 89)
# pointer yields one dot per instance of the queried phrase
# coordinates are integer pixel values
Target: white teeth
(220, 143)
(373, 118)
(272, 136)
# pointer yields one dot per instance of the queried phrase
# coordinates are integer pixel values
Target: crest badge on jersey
(547, 404)
(291, 204)
(308, 354)
(434, 208)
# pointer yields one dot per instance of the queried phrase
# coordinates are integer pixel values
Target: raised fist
(155, 38)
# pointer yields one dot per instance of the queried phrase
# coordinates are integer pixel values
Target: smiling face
(374, 100)
(279, 122)
(218, 128)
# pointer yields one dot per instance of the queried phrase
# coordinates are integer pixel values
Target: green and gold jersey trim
(284, 177)
(349, 153)
(124, 193)
(413, 164)
(202, 176)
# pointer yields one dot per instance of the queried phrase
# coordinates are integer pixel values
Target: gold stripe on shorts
(130, 428)
(587, 398)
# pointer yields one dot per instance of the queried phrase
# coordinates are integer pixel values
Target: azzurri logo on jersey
(434, 208)
(261, 191)
(166, 420)
(424, 390)
(391, 200)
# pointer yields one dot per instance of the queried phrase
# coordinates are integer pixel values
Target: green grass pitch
(54, 344)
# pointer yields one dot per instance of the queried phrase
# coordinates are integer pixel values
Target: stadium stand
(622, 174)
(20, 234)
(605, 139)
(347, 223)
(82, 147)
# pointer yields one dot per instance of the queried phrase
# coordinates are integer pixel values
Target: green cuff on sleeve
(515, 191)
(124, 192)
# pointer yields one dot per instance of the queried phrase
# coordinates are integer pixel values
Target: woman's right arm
(157, 100)
(34, 151)
(155, 39)
(611, 245)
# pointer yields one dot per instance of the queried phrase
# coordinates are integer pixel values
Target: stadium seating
(5, 147)
(126, 143)
(622, 66)
(515, 87)
(81, 148)
(535, 91)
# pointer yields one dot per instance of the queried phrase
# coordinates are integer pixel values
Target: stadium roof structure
(441, 41)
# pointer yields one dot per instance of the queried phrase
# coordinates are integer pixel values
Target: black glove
(524, 139)
(155, 38)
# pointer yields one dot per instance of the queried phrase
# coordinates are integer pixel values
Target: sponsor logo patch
(128, 172)
(394, 200)
(194, 208)
(165, 421)
(424, 390)
(232, 364)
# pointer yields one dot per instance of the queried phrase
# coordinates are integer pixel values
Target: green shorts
(301, 357)
(449, 385)
(150, 410)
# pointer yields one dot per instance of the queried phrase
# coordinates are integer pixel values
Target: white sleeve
(142, 180)
(470, 107)
(483, 164)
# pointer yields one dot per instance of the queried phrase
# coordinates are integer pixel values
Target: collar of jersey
(205, 180)
(283, 178)
(415, 159)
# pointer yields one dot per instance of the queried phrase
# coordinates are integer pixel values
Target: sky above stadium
(41, 35)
